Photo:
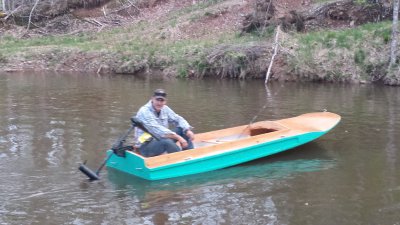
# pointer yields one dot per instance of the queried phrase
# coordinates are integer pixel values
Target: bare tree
(393, 47)
(276, 47)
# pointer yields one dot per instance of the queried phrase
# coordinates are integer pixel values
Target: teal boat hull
(135, 165)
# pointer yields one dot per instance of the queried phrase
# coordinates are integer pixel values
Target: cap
(160, 93)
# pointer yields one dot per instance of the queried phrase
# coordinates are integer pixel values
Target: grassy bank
(347, 55)
(128, 46)
(357, 54)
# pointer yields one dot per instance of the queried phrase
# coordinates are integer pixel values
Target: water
(51, 122)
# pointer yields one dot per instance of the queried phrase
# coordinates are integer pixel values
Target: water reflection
(282, 166)
(51, 122)
(201, 195)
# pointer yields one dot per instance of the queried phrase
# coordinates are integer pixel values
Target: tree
(393, 75)
(393, 47)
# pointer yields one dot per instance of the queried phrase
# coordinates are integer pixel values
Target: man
(156, 117)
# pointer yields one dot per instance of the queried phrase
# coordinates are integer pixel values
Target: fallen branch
(97, 22)
(99, 69)
(101, 28)
(133, 5)
(93, 21)
(125, 7)
(12, 12)
(276, 47)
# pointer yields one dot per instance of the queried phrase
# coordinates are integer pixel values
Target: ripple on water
(51, 122)
(57, 151)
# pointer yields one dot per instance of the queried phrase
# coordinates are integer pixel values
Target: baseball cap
(160, 93)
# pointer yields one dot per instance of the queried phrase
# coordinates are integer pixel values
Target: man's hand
(183, 142)
(190, 134)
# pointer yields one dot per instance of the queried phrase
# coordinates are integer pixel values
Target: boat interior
(236, 133)
(219, 141)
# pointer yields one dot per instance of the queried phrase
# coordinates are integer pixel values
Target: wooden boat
(227, 147)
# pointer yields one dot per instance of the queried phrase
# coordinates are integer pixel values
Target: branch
(93, 21)
(131, 4)
(12, 12)
(30, 15)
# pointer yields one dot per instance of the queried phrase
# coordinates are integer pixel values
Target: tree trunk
(393, 47)
(276, 46)
(392, 76)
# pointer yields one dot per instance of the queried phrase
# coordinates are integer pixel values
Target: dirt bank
(189, 38)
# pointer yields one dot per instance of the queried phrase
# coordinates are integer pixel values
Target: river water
(49, 123)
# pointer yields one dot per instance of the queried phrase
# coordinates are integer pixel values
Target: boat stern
(132, 164)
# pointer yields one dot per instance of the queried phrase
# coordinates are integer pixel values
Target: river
(49, 123)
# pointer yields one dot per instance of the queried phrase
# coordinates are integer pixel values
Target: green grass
(347, 38)
(60, 41)
(359, 56)
(323, 52)
(151, 42)
(356, 42)
(141, 41)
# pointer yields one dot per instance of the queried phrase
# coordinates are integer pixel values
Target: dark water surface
(51, 122)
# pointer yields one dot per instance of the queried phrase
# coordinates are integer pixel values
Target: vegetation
(352, 54)
(132, 45)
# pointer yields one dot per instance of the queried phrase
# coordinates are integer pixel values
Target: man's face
(158, 103)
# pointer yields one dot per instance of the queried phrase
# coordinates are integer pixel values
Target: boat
(227, 147)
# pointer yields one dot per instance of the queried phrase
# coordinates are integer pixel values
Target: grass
(347, 38)
(10, 45)
(141, 41)
(357, 50)
(360, 56)
(144, 41)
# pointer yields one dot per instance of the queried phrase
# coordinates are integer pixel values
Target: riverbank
(202, 39)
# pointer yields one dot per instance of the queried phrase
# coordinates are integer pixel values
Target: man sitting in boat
(156, 117)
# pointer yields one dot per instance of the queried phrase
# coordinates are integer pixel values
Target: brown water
(51, 122)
